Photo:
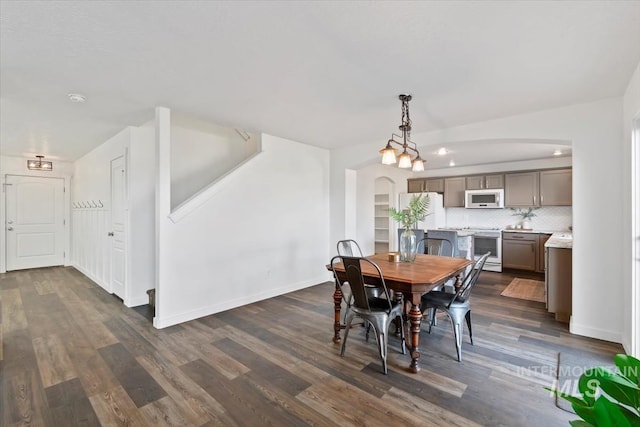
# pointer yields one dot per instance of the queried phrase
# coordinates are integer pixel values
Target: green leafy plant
(416, 211)
(608, 398)
(525, 214)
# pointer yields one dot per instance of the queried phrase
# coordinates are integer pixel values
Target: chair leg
(432, 317)
(403, 344)
(457, 332)
(346, 333)
(468, 317)
(382, 349)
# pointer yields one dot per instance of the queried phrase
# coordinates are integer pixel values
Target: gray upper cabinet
(454, 192)
(555, 187)
(494, 181)
(521, 189)
(419, 185)
(481, 182)
(415, 185)
(435, 184)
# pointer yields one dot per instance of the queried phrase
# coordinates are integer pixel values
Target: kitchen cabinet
(435, 184)
(415, 185)
(542, 239)
(482, 182)
(558, 282)
(555, 187)
(521, 189)
(520, 251)
(454, 192)
(420, 185)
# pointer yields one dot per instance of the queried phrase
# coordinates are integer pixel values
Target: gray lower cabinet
(520, 251)
(558, 282)
(542, 239)
(454, 192)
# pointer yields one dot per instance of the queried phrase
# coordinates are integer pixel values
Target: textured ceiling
(323, 73)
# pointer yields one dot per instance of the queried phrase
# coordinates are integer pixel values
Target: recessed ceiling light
(557, 153)
(452, 163)
(76, 97)
(442, 151)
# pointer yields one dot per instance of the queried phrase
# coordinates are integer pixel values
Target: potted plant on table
(526, 215)
(417, 210)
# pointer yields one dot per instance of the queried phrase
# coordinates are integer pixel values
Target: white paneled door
(34, 222)
(118, 226)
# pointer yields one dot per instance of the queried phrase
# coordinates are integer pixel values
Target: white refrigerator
(436, 218)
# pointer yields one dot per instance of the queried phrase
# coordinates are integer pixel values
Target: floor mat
(532, 290)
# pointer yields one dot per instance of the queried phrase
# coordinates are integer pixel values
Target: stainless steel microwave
(484, 199)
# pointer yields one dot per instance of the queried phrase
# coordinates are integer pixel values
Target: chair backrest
(470, 279)
(353, 275)
(349, 247)
(450, 235)
(435, 246)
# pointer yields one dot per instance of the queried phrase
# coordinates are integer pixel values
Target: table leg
(337, 301)
(415, 317)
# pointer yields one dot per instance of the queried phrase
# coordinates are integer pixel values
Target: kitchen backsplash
(552, 218)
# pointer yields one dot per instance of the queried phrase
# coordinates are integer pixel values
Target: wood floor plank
(23, 400)
(13, 316)
(139, 385)
(432, 415)
(164, 412)
(115, 408)
(199, 407)
(69, 405)
(53, 361)
(93, 372)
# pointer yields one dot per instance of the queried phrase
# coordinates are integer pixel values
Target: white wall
(92, 184)
(11, 165)
(595, 130)
(631, 196)
(202, 152)
(261, 233)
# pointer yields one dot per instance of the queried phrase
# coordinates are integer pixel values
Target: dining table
(409, 281)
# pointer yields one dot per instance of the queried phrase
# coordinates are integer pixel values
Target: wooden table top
(422, 275)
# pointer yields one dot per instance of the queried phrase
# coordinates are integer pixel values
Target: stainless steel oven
(489, 241)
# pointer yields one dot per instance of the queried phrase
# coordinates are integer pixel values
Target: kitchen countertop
(561, 240)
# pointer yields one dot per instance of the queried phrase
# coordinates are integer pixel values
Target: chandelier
(405, 159)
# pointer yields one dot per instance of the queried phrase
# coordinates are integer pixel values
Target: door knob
(9, 222)
(9, 228)
(110, 234)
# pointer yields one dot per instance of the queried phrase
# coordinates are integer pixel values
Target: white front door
(34, 222)
(118, 229)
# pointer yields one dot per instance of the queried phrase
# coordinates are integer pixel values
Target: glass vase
(408, 245)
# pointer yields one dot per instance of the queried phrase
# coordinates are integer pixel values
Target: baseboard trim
(92, 277)
(137, 300)
(591, 332)
(164, 322)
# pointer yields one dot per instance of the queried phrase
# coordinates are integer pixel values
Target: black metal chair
(435, 246)
(457, 306)
(379, 312)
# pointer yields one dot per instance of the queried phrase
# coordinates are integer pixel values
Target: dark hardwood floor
(72, 354)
